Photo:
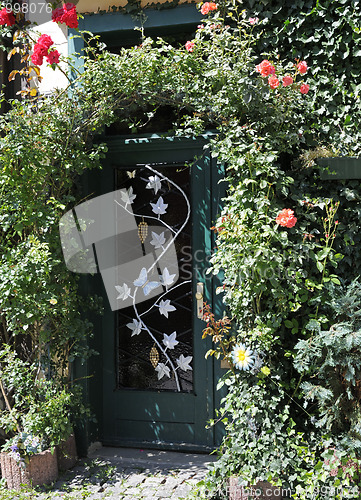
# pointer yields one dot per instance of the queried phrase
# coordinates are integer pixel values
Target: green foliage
(331, 359)
(279, 282)
(39, 407)
(327, 35)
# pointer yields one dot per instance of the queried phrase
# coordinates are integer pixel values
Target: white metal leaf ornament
(135, 326)
(128, 197)
(158, 240)
(165, 307)
(124, 291)
(154, 182)
(166, 278)
(162, 370)
(170, 340)
(159, 208)
(143, 282)
(183, 362)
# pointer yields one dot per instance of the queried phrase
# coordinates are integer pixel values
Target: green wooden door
(158, 388)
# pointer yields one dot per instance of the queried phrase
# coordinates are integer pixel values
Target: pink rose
(302, 67)
(286, 218)
(287, 80)
(273, 82)
(265, 68)
(253, 20)
(304, 88)
(207, 7)
(189, 46)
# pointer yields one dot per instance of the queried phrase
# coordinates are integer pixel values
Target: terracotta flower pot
(261, 491)
(41, 469)
(66, 453)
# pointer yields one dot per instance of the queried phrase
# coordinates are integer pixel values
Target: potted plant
(26, 459)
(38, 418)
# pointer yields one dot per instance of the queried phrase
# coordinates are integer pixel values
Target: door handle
(199, 297)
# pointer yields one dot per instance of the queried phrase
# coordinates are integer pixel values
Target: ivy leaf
(320, 266)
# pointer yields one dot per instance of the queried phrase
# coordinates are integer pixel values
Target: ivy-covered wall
(327, 34)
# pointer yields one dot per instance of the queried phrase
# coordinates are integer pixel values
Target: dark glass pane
(140, 359)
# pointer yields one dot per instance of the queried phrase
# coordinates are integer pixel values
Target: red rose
(287, 80)
(53, 57)
(273, 82)
(286, 218)
(265, 68)
(70, 18)
(57, 14)
(7, 18)
(189, 46)
(304, 88)
(207, 7)
(37, 58)
(66, 15)
(45, 41)
(302, 67)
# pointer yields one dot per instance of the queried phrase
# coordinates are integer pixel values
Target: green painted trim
(338, 168)
(119, 22)
(119, 28)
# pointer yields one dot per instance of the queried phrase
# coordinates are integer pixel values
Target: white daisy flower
(242, 357)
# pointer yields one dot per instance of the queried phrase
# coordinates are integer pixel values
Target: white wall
(40, 13)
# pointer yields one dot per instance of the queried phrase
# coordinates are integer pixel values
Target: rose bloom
(273, 82)
(207, 7)
(287, 80)
(189, 46)
(302, 67)
(7, 18)
(70, 17)
(53, 57)
(265, 68)
(45, 41)
(57, 14)
(304, 88)
(253, 20)
(66, 15)
(37, 58)
(286, 218)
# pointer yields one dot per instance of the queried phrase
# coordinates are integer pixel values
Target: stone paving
(124, 474)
